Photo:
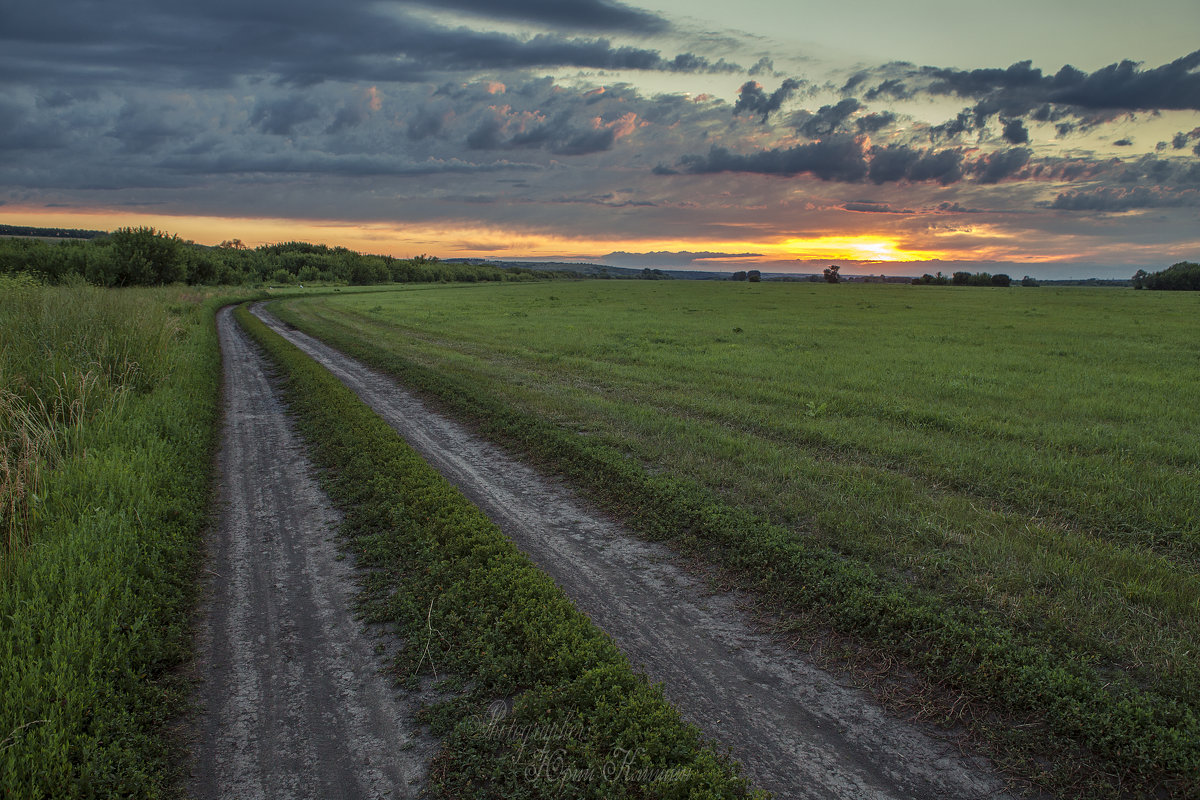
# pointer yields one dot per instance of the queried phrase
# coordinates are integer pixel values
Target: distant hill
(596, 270)
(49, 233)
(603, 270)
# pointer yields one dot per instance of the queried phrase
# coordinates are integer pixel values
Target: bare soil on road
(798, 731)
(292, 700)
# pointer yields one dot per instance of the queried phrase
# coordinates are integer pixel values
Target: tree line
(1182, 276)
(970, 279)
(144, 256)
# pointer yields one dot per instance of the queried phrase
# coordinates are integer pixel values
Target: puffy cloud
(305, 42)
(892, 163)
(1021, 90)
(870, 207)
(838, 158)
(586, 14)
(1126, 199)
(827, 119)
(1015, 131)
(1001, 164)
(280, 116)
(753, 100)
(875, 122)
(564, 134)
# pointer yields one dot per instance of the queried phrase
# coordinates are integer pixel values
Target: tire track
(293, 704)
(796, 730)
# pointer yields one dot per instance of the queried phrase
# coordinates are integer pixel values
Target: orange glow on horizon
(465, 240)
(857, 248)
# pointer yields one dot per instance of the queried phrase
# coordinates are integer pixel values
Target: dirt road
(795, 728)
(292, 701)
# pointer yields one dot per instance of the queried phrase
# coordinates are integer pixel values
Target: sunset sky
(1057, 139)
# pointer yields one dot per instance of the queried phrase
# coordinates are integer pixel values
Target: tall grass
(109, 414)
(70, 357)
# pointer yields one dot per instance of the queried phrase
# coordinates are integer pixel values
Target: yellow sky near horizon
(466, 241)
(903, 256)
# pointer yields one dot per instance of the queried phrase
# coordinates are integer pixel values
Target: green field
(996, 487)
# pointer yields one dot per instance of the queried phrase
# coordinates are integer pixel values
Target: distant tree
(931, 280)
(960, 278)
(1028, 281)
(232, 244)
(754, 276)
(739, 276)
(1139, 278)
(145, 257)
(831, 274)
(1183, 276)
(1000, 279)
(653, 275)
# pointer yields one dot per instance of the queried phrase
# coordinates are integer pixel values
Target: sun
(854, 248)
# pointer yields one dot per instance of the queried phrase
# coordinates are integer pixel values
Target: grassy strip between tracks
(108, 419)
(1046, 709)
(550, 707)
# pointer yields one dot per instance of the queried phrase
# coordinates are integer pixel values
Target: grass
(546, 706)
(996, 487)
(107, 425)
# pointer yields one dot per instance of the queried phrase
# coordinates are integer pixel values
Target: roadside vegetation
(993, 489)
(541, 704)
(108, 412)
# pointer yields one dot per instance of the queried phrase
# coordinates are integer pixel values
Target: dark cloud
(488, 136)
(873, 123)
(1126, 199)
(764, 66)
(1022, 90)
(560, 135)
(1015, 131)
(837, 158)
(1001, 165)
(1123, 143)
(894, 163)
(72, 45)
(280, 116)
(22, 129)
(586, 14)
(843, 158)
(1124, 86)
(947, 207)
(1181, 139)
(141, 128)
(827, 119)
(870, 207)
(952, 128)
(315, 162)
(753, 100)
(426, 123)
